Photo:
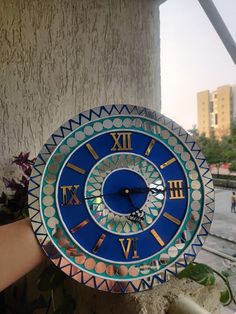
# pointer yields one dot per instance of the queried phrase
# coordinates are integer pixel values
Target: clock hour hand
(120, 192)
(136, 216)
(133, 217)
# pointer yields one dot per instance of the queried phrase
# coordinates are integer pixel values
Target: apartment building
(216, 111)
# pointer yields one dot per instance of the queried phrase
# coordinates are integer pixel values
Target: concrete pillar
(59, 57)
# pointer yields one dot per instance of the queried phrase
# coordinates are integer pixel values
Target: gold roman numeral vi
(122, 141)
(127, 246)
(176, 189)
(69, 196)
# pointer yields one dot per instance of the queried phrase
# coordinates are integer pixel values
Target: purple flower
(23, 161)
(14, 205)
(3, 198)
(25, 181)
(28, 171)
(12, 184)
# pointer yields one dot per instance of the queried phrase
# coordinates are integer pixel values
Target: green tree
(232, 147)
(218, 151)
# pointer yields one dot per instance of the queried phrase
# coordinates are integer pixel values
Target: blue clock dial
(114, 192)
(120, 197)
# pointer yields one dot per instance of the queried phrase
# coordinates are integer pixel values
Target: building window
(216, 119)
(211, 106)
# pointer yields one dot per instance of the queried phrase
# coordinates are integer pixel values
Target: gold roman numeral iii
(122, 141)
(176, 189)
(127, 246)
(69, 196)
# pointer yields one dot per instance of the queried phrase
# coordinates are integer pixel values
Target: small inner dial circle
(118, 193)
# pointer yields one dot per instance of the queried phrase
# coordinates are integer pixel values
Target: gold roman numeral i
(69, 196)
(176, 189)
(122, 141)
(126, 247)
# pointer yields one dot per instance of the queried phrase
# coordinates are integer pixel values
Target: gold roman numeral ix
(69, 196)
(122, 141)
(176, 189)
(127, 246)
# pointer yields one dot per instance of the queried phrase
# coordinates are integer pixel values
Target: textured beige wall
(59, 57)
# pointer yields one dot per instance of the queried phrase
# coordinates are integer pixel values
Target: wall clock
(121, 198)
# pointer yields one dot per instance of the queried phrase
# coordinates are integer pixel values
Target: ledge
(162, 299)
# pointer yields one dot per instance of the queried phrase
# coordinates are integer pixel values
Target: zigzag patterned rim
(106, 284)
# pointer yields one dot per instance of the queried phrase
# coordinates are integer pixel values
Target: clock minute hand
(145, 190)
(156, 190)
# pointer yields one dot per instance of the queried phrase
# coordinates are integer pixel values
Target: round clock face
(121, 198)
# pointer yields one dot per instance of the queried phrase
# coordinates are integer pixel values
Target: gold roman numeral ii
(69, 196)
(127, 246)
(122, 141)
(176, 189)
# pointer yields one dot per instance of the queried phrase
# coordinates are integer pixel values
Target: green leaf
(25, 212)
(200, 273)
(226, 273)
(225, 297)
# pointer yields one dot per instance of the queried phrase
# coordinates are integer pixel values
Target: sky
(193, 58)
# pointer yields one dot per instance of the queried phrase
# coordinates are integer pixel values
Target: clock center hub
(117, 191)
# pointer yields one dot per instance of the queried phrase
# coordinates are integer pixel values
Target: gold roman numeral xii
(69, 196)
(176, 189)
(122, 141)
(127, 246)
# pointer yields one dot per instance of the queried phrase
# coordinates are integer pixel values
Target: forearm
(19, 252)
